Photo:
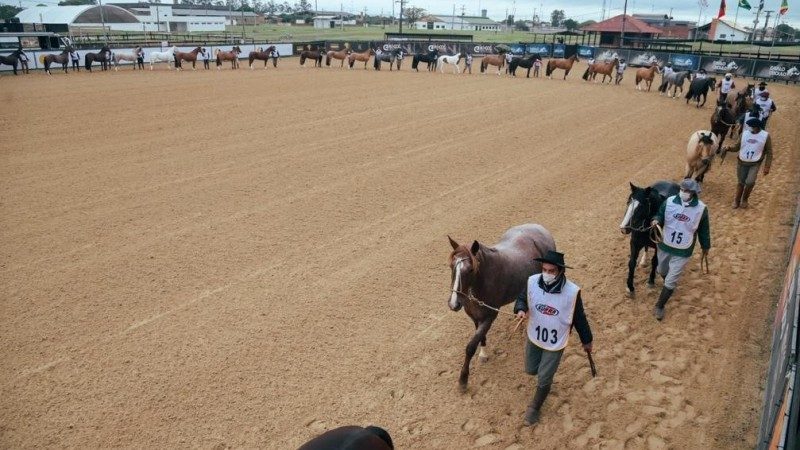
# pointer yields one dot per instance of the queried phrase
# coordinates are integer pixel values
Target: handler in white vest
(685, 221)
(754, 148)
(762, 87)
(620, 70)
(726, 85)
(767, 107)
(553, 306)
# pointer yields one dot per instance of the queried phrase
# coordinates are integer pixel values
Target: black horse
(103, 57)
(722, 120)
(524, 62)
(351, 438)
(429, 58)
(698, 87)
(391, 57)
(643, 204)
(12, 59)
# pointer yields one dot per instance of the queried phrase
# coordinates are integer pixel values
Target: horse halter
(472, 298)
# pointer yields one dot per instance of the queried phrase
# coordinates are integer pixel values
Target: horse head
(705, 146)
(464, 264)
(638, 211)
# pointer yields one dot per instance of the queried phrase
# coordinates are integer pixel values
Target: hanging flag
(744, 5)
(721, 9)
(761, 5)
(784, 7)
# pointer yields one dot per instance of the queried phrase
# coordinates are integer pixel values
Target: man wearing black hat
(685, 221)
(553, 306)
(755, 148)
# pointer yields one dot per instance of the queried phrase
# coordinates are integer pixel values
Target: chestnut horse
(564, 64)
(315, 55)
(485, 278)
(340, 54)
(363, 57)
(264, 56)
(604, 68)
(498, 60)
(700, 152)
(646, 74)
(62, 59)
(232, 56)
(187, 56)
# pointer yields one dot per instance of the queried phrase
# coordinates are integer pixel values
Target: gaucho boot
(746, 196)
(658, 311)
(737, 198)
(532, 413)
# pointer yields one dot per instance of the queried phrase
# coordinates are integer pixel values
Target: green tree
(521, 26)
(413, 14)
(785, 32)
(303, 6)
(556, 17)
(570, 24)
(8, 11)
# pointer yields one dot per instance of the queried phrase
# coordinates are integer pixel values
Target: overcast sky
(579, 10)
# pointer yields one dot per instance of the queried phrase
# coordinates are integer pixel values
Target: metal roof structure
(76, 14)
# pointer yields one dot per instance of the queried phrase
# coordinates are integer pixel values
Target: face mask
(727, 78)
(548, 278)
(685, 196)
(754, 130)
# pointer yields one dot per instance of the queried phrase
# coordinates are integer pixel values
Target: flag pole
(737, 13)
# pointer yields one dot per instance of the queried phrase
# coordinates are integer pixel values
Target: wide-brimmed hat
(763, 83)
(689, 184)
(553, 257)
(756, 123)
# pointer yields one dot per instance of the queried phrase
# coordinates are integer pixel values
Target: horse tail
(689, 93)
(414, 62)
(483, 66)
(586, 74)
(302, 59)
(87, 62)
(328, 59)
(638, 78)
(41, 59)
(549, 69)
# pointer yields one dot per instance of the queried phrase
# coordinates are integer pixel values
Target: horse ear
(476, 247)
(633, 187)
(453, 243)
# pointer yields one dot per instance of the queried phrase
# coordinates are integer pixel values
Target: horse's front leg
(632, 268)
(651, 281)
(479, 336)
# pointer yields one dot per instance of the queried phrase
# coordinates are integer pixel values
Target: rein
(479, 302)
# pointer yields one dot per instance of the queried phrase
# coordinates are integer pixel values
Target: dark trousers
(76, 65)
(205, 63)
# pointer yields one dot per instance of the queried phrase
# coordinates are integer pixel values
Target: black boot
(532, 413)
(658, 311)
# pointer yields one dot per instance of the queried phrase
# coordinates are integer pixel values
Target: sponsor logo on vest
(681, 217)
(546, 309)
(752, 141)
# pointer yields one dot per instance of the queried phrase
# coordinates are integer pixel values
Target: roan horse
(647, 75)
(392, 57)
(430, 58)
(314, 55)
(117, 57)
(232, 56)
(605, 68)
(62, 59)
(486, 278)
(498, 60)
(351, 438)
(362, 57)
(698, 87)
(103, 57)
(187, 56)
(675, 81)
(265, 55)
(564, 64)
(337, 54)
(12, 59)
(525, 63)
(700, 152)
(643, 204)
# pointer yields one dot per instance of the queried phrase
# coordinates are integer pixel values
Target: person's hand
(654, 223)
(522, 314)
(587, 347)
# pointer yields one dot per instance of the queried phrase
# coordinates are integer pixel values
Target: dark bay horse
(62, 59)
(485, 278)
(314, 55)
(337, 54)
(524, 62)
(722, 121)
(564, 64)
(351, 438)
(12, 59)
(186, 56)
(232, 56)
(265, 55)
(699, 87)
(605, 68)
(430, 58)
(392, 57)
(643, 204)
(103, 57)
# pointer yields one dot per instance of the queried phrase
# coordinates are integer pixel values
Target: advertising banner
(518, 49)
(542, 49)
(586, 52)
(684, 62)
(608, 54)
(774, 70)
(721, 65)
(638, 58)
(558, 50)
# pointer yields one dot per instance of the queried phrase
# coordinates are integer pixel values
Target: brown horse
(187, 56)
(486, 278)
(315, 55)
(564, 64)
(605, 68)
(262, 56)
(62, 59)
(232, 56)
(363, 57)
(647, 75)
(498, 60)
(337, 54)
(700, 152)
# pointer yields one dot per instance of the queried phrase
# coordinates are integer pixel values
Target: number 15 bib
(681, 222)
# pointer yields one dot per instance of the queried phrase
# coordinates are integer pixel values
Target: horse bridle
(472, 298)
(656, 233)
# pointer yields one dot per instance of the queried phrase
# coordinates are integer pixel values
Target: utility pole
(624, 17)
(775, 30)
(766, 23)
(755, 22)
(453, 19)
(401, 16)
(463, 13)
(341, 15)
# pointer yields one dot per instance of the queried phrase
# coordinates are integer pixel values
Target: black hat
(553, 257)
(763, 83)
(755, 123)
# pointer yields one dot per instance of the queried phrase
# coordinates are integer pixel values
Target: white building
(720, 30)
(333, 21)
(457, 23)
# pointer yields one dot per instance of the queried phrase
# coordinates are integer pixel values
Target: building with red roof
(610, 30)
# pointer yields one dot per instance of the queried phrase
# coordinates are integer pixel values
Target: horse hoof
(462, 388)
(651, 284)
(483, 359)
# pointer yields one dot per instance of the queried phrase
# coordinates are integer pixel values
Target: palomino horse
(187, 56)
(351, 438)
(337, 54)
(700, 152)
(12, 59)
(232, 56)
(265, 55)
(430, 58)
(699, 87)
(132, 57)
(647, 75)
(167, 56)
(62, 59)
(486, 278)
(604, 68)
(362, 57)
(675, 81)
(525, 63)
(451, 60)
(498, 60)
(722, 121)
(643, 204)
(391, 57)
(564, 64)
(314, 55)
(103, 57)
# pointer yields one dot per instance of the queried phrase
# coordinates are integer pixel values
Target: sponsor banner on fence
(481, 48)
(720, 65)
(774, 70)
(608, 54)
(542, 49)
(558, 50)
(684, 62)
(638, 58)
(407, 47)
(518, 49)
(586, 52)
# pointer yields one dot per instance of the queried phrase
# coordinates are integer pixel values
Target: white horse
(453, 60)
(167, 56)
(117, 57)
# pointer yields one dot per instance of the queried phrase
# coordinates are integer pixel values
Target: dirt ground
(247, 258)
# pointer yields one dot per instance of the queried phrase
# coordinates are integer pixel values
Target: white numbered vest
(681, 223)
(550, 314)
(766, 107)
(726, 86)
(752, 147)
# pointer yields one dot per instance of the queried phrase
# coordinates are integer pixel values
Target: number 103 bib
(551, 314)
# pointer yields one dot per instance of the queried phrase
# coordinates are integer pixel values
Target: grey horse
(674, 81)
